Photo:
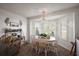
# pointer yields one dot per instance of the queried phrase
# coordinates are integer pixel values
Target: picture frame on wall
(14, 24)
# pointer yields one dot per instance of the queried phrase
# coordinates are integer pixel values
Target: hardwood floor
(26, 50)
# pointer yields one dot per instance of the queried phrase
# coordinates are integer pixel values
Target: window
(49, 27)
(64, 29)
(39, 27)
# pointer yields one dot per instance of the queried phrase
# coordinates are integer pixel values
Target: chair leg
(45, 52)
(56, 51)
(38, 51)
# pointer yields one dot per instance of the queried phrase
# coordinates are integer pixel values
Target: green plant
(43, 34)
(7, 20)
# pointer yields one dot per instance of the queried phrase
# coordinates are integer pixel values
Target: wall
(13, 17)
(77, 24)
(77, 31)
(28, 30)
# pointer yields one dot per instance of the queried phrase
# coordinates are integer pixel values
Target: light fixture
(43, 13)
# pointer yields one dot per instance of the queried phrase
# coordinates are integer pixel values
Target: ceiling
(33, 9)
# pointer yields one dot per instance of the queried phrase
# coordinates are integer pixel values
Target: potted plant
(43, 35)
(7, 21)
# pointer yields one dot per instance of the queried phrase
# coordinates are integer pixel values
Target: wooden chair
(52, 46)
(42, 47)
(34, 46)
(73, 49)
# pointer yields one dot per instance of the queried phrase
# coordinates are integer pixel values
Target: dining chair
(52, 46)
(35, 46)
(42, 47)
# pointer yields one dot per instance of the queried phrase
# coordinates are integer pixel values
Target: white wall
(77, 31)
(28, 30)
(77, 24)
(13, 17)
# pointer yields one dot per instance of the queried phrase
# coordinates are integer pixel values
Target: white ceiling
(32, 9)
